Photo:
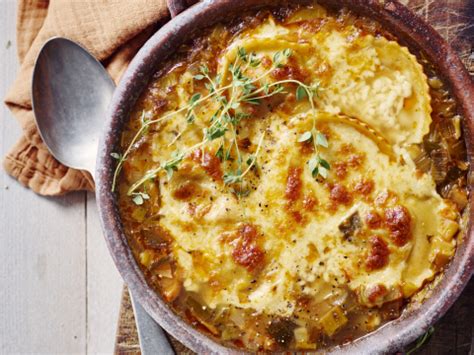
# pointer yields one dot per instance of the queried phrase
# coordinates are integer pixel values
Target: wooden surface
(127, 336)
(454, 333)
(59, 290)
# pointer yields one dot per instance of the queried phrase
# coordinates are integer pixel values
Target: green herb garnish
(224, 124)
(139, 198)
(422, 340)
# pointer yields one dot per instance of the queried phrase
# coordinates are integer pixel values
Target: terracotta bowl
(412, 32)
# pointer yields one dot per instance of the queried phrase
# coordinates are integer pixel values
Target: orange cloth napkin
(112, 31)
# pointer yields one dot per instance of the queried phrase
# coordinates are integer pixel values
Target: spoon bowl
(71, 92)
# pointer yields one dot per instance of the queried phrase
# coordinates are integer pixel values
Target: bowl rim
(410, 28)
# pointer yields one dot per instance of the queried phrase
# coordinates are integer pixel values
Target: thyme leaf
(194, 99)
(233, 177)
(220, 153)
(140, 197)
(301, 93)
(215, 132)
(251, 159)
(318, 166)
(116, 156)
(306, 136)
(324, 163)
(321, 140)
(322, 171)
(171, 165)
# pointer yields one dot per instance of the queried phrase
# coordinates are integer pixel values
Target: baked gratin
(291, 179)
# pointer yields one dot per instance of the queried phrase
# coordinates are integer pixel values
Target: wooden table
(60, 292)
(59, 289)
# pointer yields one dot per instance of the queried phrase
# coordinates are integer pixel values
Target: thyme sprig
(224, 124)
(317, 165)
(421, 341)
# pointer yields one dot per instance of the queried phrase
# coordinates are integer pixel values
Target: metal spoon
(70, 94)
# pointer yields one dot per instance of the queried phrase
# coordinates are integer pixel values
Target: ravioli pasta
(371, 78)
(306, 220)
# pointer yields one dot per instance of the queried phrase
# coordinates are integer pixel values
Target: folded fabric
(113, 31)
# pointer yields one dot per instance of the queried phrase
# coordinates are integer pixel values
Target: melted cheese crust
(305, 257)
(373, 104)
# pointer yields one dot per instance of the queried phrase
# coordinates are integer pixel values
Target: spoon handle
(152, 338)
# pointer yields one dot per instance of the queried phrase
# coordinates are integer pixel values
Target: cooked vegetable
(302, 339)
(435, 83)
(447, 129)
(439, 168)
(281, 330)
(422, 162)
(146, 258)
(442, 252)
(170, 288)
(333, 320)
(163, 268)
(349, 226)
(457, 195)
(199, 310)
